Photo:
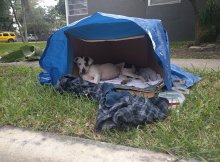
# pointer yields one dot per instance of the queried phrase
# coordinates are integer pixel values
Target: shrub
(210, 21)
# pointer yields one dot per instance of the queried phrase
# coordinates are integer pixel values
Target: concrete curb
(24, 145)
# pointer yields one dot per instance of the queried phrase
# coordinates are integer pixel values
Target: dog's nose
(83, 71)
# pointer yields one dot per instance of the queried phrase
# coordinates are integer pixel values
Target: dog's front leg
(87, 77)
(124, 79)
(97, 79)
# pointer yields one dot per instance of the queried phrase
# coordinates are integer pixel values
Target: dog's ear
(76, 59)
(89, 61)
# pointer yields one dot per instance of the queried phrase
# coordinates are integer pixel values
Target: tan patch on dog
(75, 70)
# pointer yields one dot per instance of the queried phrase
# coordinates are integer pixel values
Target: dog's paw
(123, 82)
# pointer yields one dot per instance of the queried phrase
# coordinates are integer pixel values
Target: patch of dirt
(187, 53)
(23, 63)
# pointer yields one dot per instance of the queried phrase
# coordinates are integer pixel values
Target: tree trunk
(16, 19)
(10, 26)
(23, 7)
(197, 26)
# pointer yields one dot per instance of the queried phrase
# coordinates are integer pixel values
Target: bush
(210, 21)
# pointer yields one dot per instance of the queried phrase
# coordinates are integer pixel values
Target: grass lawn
(6, 48)
(180, 44)
(192, 131)
(178, 49)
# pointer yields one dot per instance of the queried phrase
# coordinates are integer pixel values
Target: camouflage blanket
(116, 109)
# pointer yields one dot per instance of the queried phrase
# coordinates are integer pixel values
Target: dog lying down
(94, 73)
(101, 72)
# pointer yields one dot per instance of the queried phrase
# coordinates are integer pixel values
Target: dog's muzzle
(83, 71)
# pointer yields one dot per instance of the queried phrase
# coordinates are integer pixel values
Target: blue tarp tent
(57, 59)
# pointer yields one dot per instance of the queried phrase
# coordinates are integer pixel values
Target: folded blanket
(116, 109)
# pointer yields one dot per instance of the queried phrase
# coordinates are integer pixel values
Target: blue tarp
(58, 55)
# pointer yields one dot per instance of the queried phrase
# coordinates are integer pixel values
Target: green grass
(192, 131)
(6, 48)
(178, 50)
(180, 44)
(9, 47)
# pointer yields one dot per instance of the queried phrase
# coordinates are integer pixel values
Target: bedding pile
(153, 81)
(116, 109)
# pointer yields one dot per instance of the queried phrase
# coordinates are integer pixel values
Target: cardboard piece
(133, 50)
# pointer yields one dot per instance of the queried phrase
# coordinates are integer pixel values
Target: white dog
(149, 74)
(94, 73)
(128, 72)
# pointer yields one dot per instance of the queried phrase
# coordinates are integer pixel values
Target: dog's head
(83, 64)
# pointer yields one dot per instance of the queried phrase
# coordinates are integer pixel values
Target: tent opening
(133, 50)
(72, 40)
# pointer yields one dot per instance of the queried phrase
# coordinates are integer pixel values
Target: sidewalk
(184, 63)
(19, 145)
(197, 63)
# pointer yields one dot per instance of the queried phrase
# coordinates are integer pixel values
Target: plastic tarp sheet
(58, 55)
(179, 74)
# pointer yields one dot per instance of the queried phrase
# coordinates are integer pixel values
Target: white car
(32, 37)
